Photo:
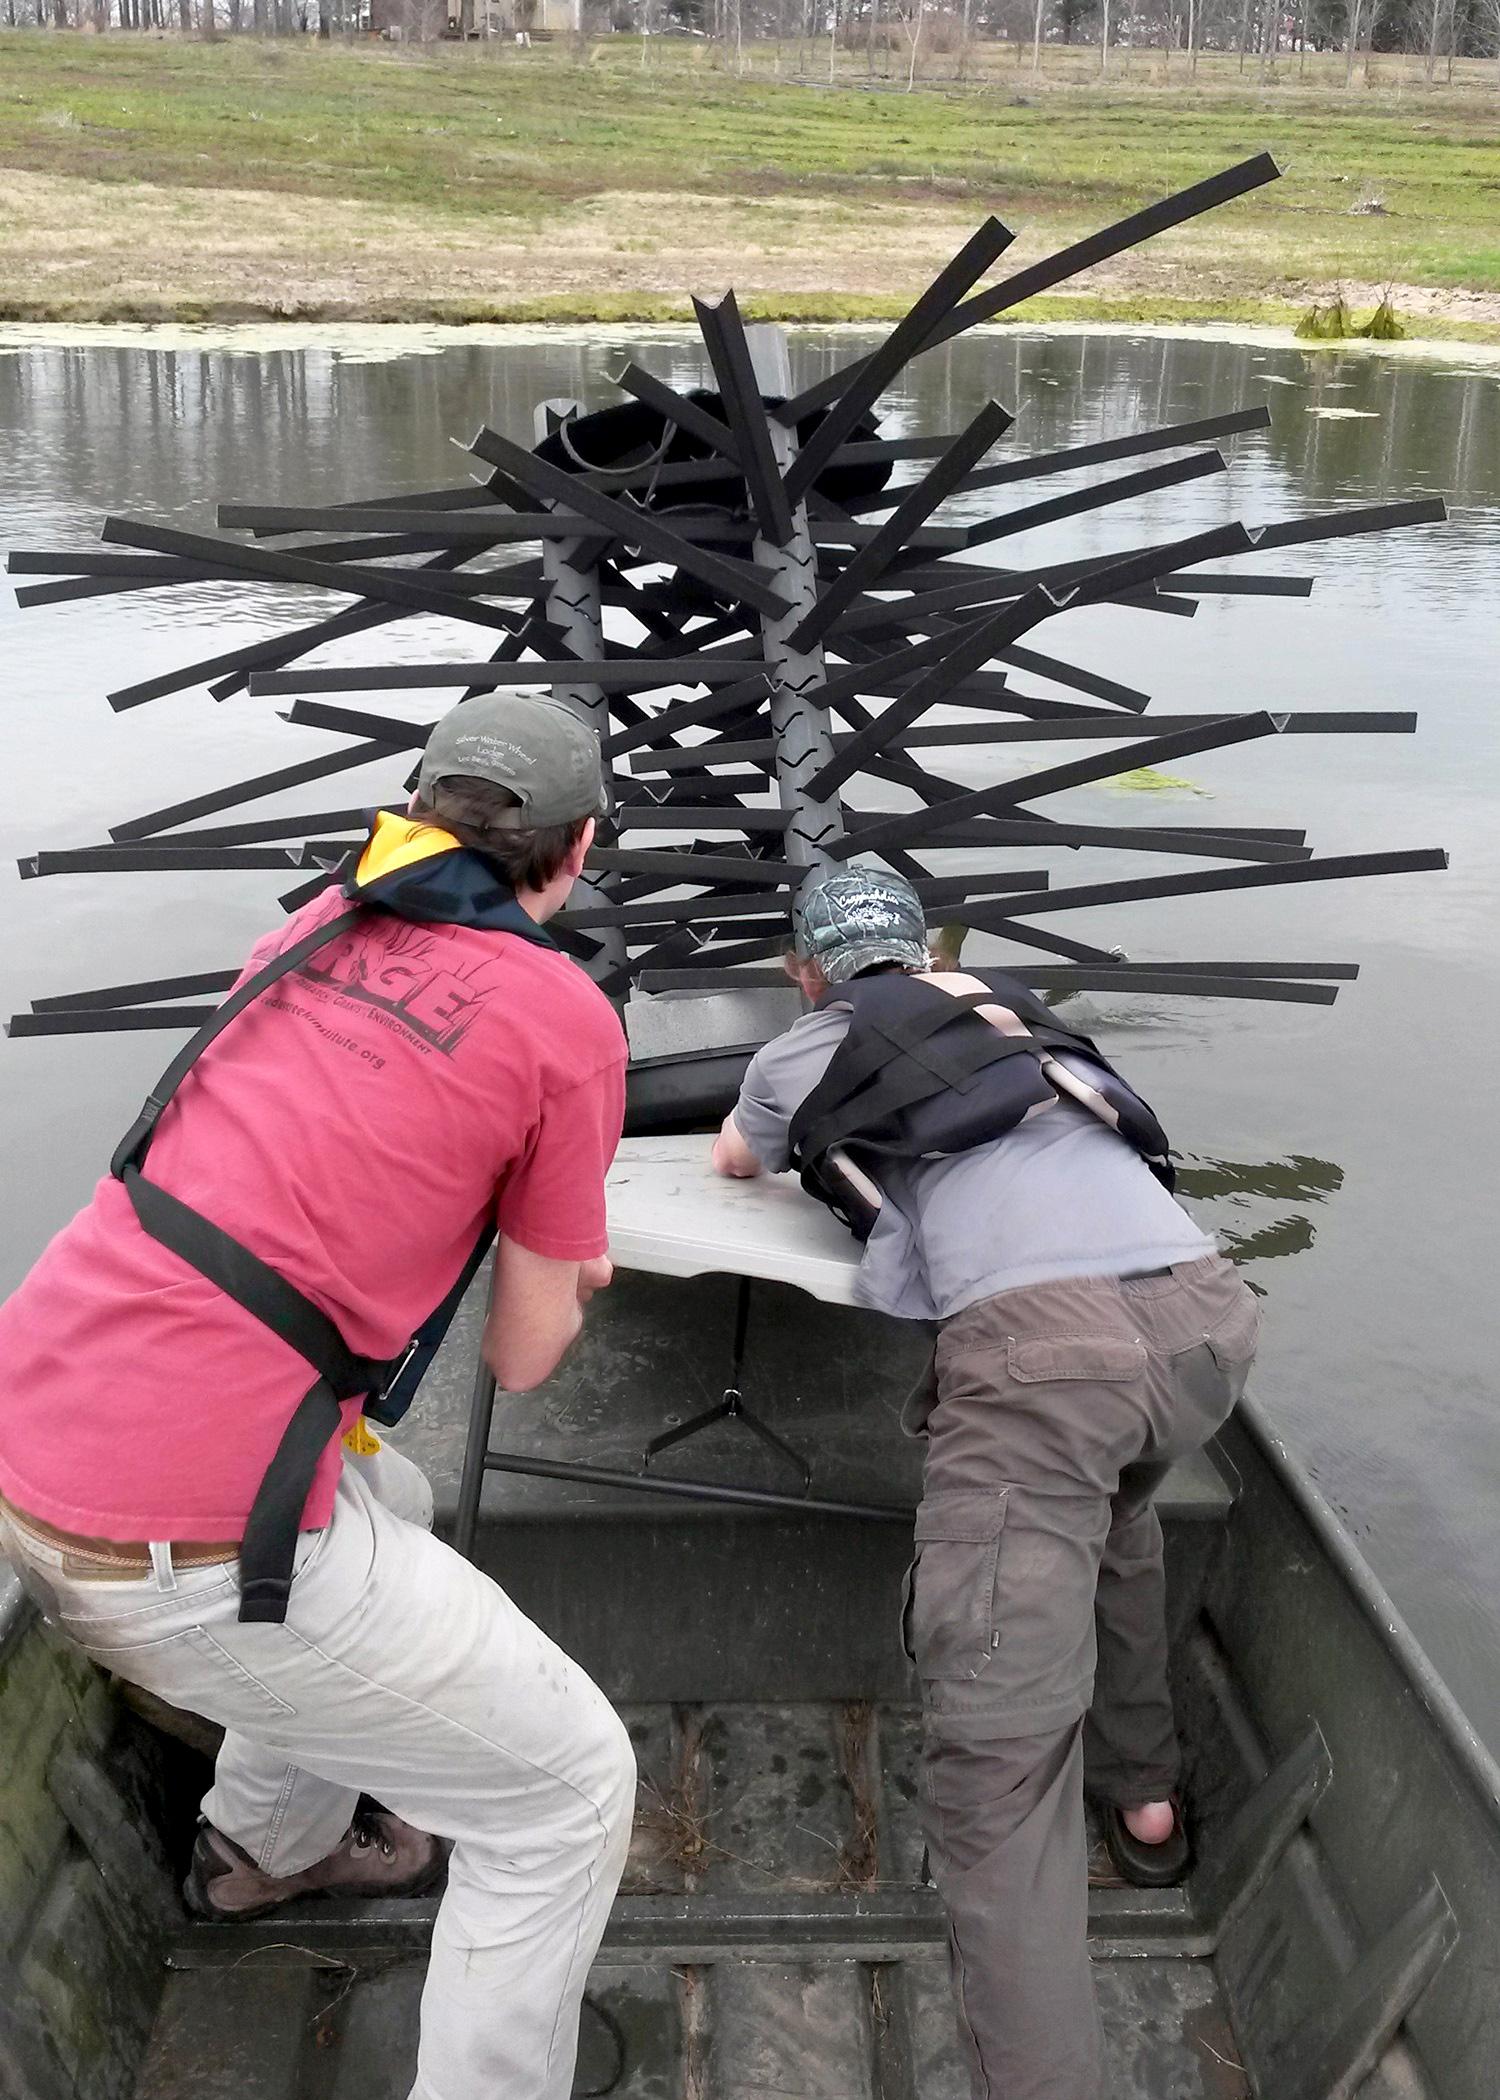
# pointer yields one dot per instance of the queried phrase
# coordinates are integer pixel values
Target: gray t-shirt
(1061, 1195)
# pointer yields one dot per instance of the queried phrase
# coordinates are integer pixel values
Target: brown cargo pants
(1034, 1612)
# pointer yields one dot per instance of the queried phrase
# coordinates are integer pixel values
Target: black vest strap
(132, 1148)
(253, 1284)
(269, 1546)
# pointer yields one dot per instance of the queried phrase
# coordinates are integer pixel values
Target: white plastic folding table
(670, 1214)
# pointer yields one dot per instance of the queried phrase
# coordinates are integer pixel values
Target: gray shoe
(379, 1856)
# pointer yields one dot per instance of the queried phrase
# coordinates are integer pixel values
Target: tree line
(833, 36)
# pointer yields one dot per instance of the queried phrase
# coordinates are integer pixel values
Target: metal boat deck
(773, 1936)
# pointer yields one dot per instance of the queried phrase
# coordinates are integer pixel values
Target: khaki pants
(404, 1670)
(1035, 1616)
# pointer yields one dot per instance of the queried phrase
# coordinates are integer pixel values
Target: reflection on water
(1231, 1197)
(1383, 1333)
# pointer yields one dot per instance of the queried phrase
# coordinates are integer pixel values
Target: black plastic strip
(1310, 722)
(729, 354)
(1335, 868)
(1343, 525)
(230, 669)
(685, 816)
(356, 721)
(858, 386)
(626, 674)
(1180, 984)
(637, 528)
(148, 990)
(1067, 262)
(670, 865)
(317, 824)
(759, 751)
(1074, 457)
(304, 893)
(1094, 683)
(1236, 586)
(916, 505)
(1125, 838)
(685, 714)
(1100, 496)
(123, 860)
(504, 525)
(1342, 973)
(1047, 939)
(967, 648)
(249, 791)
(386, 585)
(712, 907)
(687, 415)
(925, 827)
(108, 1021)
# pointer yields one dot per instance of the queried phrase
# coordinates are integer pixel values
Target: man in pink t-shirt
(435, 1067)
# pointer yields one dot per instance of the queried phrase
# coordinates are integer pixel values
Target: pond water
(1348, 1155)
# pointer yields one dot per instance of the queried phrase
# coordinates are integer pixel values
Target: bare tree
(1354, 23)
(1036, 35)
(912, 14)
(1439, 25)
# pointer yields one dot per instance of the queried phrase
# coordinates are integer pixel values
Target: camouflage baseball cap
(848, 922)
(547, 756)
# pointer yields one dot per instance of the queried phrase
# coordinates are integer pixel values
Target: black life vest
(923, 1074)
(415, 872)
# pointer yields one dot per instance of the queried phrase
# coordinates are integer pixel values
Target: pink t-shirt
(354, 1127)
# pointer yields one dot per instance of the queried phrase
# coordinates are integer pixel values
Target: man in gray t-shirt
(1088, 1335)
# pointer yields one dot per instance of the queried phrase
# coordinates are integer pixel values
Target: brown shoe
(380, 1856)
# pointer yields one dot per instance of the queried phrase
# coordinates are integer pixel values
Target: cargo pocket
(1049, 1359)
(949, 1624)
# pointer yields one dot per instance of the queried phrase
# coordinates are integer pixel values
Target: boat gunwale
(1478, 1764)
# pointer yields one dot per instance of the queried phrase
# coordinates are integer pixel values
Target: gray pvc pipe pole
(573, 606)
(802, 730)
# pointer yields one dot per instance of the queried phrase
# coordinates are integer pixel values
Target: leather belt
(124, 1560)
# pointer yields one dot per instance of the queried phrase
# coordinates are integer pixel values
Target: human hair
(472, 810)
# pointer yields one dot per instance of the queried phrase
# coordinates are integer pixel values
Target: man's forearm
(536, 1313)
(731, 1155)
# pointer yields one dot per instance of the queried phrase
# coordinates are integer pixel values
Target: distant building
(423, 21)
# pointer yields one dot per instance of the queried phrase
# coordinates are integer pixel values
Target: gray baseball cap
(546, 755)
(846, 923)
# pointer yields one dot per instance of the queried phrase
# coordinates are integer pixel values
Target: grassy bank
(144, 178)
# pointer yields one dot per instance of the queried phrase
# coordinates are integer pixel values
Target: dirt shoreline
(377, 341)
(227, 257)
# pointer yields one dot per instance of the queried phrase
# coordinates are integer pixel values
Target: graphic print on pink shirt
(355, 1126)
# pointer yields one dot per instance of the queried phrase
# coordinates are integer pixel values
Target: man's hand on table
(731, 1155)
